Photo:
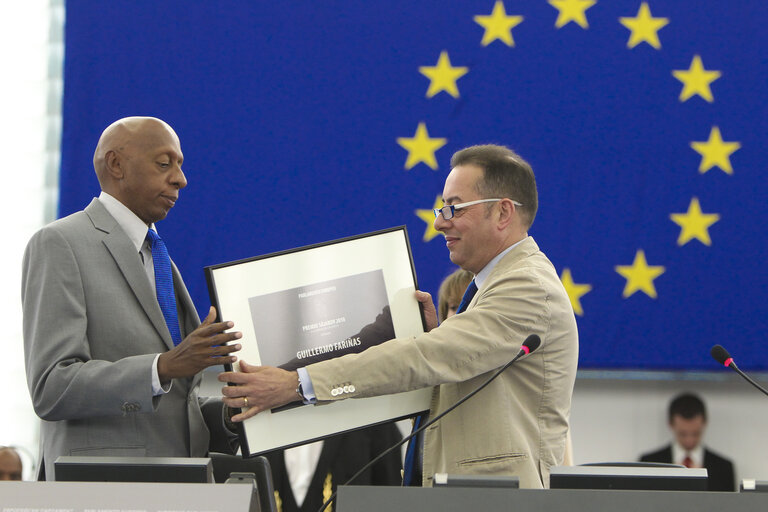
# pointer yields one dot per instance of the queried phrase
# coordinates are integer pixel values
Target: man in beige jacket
(518, 424)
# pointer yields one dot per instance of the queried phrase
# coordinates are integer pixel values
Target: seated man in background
(687, 420)
(10, 464)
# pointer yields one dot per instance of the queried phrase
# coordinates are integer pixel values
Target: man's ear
(507, 213)
(114, 165)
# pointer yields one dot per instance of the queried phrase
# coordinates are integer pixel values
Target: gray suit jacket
(518, 424)
(92, 327)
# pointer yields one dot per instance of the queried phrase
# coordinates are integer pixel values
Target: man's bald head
(126, 134)
(138, 162)
(10, 464)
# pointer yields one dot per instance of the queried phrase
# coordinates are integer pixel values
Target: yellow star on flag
(696, 80)
(715, 152)
(639, 276)
(428, 216)
(694, 224)
(498, 25)
(644, 27)
(572, 10)
(574, 291)
(443, 76)
(421, 148)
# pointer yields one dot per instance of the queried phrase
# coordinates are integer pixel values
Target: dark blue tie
(164, 285)
(467, 298)
(412, 464)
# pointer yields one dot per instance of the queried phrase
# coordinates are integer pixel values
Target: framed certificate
(313, 303)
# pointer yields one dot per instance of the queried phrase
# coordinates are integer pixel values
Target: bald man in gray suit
(103, 371)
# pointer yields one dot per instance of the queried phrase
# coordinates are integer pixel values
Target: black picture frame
(312, 301)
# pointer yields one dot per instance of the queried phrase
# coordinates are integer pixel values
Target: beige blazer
(518, 424)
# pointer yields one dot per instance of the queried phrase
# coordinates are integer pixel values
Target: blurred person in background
(451, 290)
(687, 420)
(10, 464)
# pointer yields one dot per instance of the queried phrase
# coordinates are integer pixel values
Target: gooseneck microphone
(723, 357)
(530, 344)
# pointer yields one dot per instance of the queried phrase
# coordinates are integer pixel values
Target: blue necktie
(412, 464)
(164, 285)
(467, 298)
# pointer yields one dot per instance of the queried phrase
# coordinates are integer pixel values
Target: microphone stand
(747, 377)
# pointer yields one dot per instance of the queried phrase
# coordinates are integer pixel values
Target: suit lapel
(668, 455)
(124, 253)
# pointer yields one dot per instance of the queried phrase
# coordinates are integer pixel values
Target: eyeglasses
(449, 210)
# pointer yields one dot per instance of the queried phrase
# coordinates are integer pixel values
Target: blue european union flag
(303, 122)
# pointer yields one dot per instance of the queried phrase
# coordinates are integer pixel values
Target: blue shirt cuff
(307, 389)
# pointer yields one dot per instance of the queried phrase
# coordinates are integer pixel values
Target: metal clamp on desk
(446, 480)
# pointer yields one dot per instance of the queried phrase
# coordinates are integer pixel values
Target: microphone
(530, 344)
(723, 357)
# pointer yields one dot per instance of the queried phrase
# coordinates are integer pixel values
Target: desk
(453, 499)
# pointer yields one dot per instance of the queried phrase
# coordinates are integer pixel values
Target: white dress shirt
(136, 230)
(300, 464)
(679, 454)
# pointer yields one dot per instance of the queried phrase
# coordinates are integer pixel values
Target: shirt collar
(486, 271)
(679, 453)
(133, 226)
